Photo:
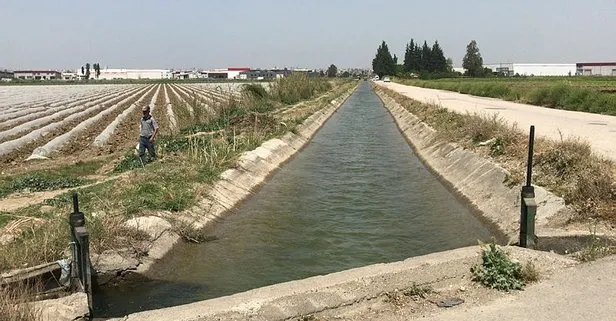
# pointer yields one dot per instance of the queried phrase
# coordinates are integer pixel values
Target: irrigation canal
(356, 195)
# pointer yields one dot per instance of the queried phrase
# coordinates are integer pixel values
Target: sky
(62, 34)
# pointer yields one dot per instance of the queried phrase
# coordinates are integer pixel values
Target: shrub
(538, 96)
(497, 271)
(256, 91)
(297, 87)
(556, 95)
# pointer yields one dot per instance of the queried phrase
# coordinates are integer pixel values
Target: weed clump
(497, 271)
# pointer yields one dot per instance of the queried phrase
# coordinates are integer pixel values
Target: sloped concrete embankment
(292, 300)
(253, 169)
(478, 180)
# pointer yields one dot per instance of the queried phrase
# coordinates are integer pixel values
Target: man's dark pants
(144, 143)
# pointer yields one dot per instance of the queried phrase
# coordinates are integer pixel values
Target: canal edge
(477, 181)
(254, 168)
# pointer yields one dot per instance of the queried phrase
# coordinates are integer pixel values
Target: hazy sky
(308, 33)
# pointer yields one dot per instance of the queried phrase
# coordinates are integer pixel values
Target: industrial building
(110, 74)
(525, 69)
(596, 68)
(227, 73)
(68, 76)
(260, 74)
(37, 75)
(6, 75)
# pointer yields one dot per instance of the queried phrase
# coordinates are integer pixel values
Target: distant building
(37, 75)
(259, 74)
(227, 73)
(110, 74)
(6, 75)
(307, 72)
(524, 69)
(68, 75)
(187, 74)
(596, 68)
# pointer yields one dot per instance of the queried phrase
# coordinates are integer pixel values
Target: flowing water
(356, 195)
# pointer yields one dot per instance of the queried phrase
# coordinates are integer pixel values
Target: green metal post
(528, 208)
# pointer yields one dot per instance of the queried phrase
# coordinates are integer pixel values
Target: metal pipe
(529, 165)
(75, 203)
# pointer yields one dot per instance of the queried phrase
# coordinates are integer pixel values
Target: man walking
(147, 134)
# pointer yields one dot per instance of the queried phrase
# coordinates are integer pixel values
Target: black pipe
(75, 203)
(529, 165)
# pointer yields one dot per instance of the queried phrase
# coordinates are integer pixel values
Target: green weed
(497, 271)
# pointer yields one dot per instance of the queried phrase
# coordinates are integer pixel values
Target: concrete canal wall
(478, 180)
(235, 185)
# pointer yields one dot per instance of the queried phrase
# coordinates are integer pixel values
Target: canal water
(356, 195)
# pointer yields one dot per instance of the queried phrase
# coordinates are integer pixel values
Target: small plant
(129, 162)
(418, 291)
(530, 273)
(497, 271)
(595, 248)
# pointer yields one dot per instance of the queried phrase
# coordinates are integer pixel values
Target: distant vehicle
(386, 79)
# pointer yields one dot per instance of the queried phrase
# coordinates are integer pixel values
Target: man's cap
(145, 108)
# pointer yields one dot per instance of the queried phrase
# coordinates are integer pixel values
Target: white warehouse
(110, 74)
(523, 69)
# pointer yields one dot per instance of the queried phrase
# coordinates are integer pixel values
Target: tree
(87, 71)
(438, 63)
(332, 71)
(449, 65)
(97, 70)
(383, 62)
(426, 58)
(83, 72)
(472, 62)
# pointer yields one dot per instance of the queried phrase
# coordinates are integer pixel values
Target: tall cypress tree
(438, 60)
(426, 59)
(417, 58)
(410, 62)
(383, 63)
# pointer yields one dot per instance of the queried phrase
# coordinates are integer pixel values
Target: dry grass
(567, 167)
(12, 306)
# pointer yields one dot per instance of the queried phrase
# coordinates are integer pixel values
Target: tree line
(85, 70)
(426, 61)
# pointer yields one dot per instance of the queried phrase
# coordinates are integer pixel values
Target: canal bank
(444, 271)
(355, 196)
(481, 182)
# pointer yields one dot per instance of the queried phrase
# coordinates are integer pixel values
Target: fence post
(81, 274)
(528, 208)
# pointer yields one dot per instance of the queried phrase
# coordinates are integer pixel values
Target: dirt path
(585, 292)
(599, 130)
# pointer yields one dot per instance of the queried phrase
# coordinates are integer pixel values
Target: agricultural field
(56, 140)
(80, 121)
(587, 94)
